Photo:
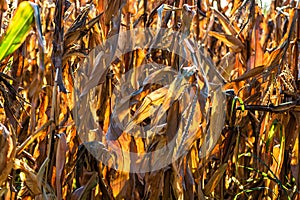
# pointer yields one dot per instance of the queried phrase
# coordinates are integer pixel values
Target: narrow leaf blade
(18, 29)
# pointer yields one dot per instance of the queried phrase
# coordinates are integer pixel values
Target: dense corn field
(144, 99)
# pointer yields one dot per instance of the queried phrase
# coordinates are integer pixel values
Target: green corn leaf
(236, 98)
(17, 30)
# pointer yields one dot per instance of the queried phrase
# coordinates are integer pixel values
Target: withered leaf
(251, 73)
(231, 41)
(215, 179)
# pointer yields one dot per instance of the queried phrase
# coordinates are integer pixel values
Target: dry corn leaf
(173, 121)
(154, 180)
(148, 107)
(295, 167)
(7, 152)
(96, 74)
(249, 74)
(79, 28)
(226, 65)
(231, 41)
(277, 55)
(159, 75)
(89, 186)
(218, 114)
(258, 58)
(60, 162)
(215, 179)
(189, 184)
(30, 176)
(275, 28)
(175, 90)
(191, 120)
(73, 33)
(41, 173)
(176, 182)
(187, 18)
(111, 9)
(228, 27)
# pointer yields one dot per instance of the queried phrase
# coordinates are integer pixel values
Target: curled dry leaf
(30, 176)
(229, 28)
(148, 107)
(7, 152)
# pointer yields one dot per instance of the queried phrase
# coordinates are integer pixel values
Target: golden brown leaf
(231, 41)
(215, 179)
(7, 152)
(60, 162)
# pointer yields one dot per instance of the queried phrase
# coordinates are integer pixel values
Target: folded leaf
(228, 27)
(251, 73)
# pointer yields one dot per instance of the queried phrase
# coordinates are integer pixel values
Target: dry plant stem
(52, 119)
(32, 137)
(297, 48)
(276, 109)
